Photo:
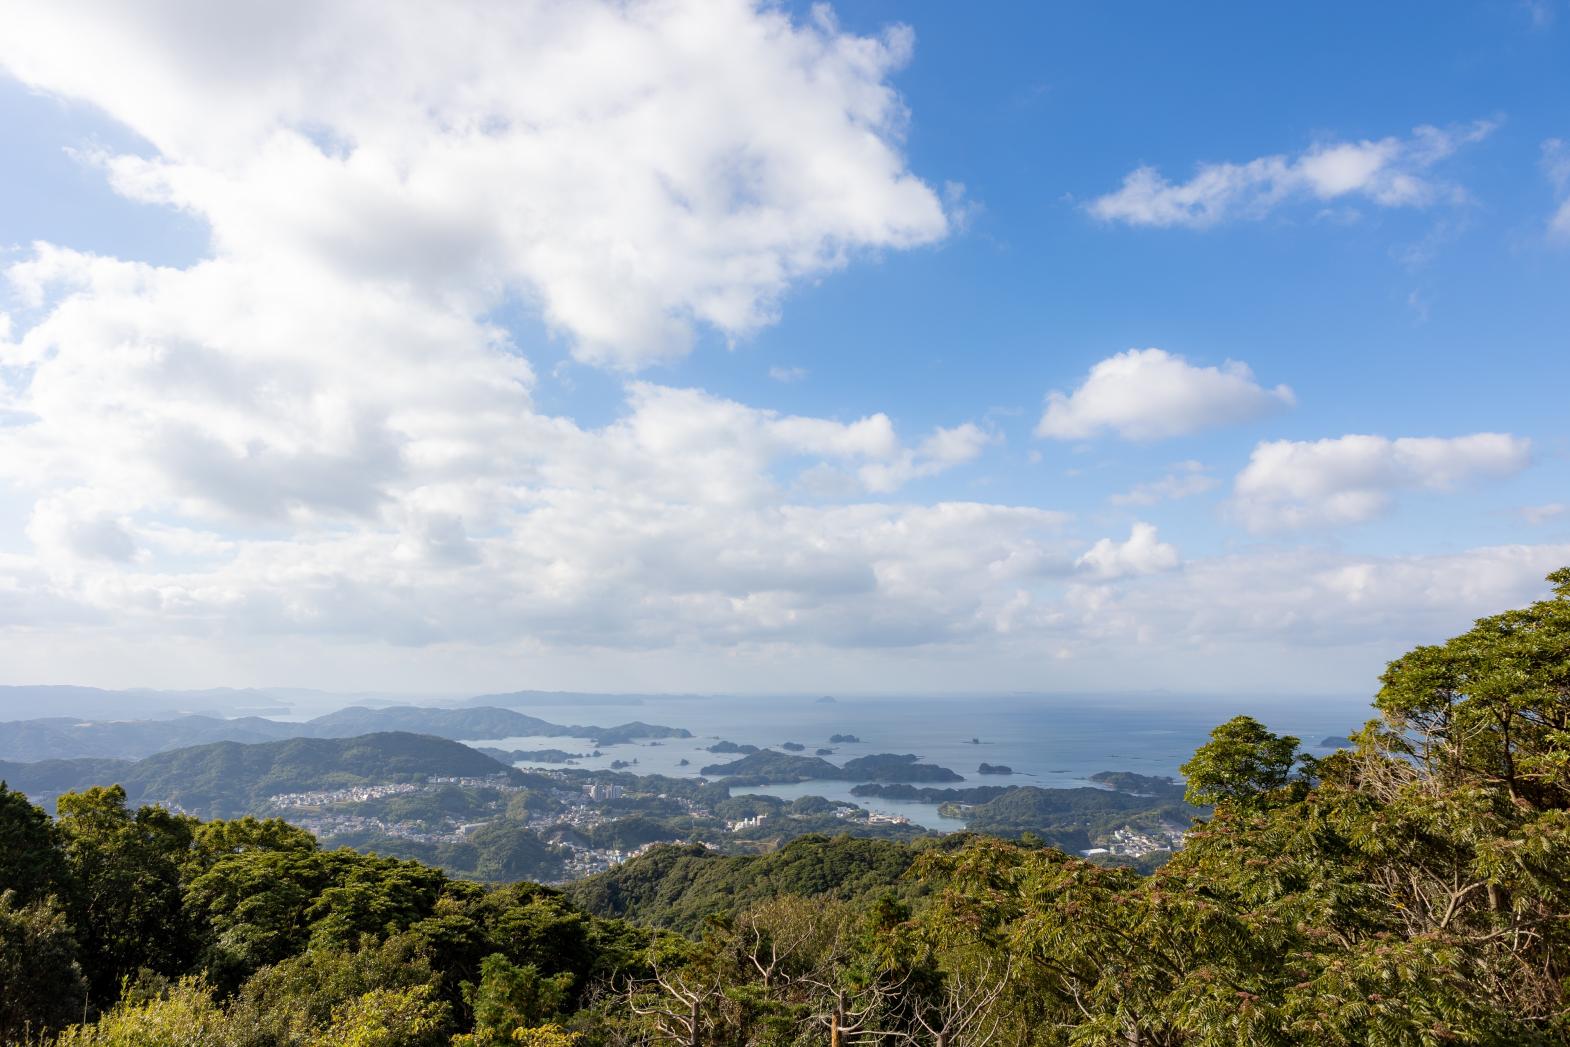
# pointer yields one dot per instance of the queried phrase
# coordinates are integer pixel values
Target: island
(731, 747)
(768, 767)
(844, 739)
(994, 768)
(793, 747)
(827, 699)
(1335, 741)
(891, 767)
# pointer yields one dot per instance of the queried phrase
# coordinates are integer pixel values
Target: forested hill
(681, 885)
(227, 779)
(71, 737)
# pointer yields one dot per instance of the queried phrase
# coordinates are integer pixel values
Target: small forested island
(730, 747)
(1411, 891)
(1335, 741)
(994, 768)
(793, 747)
(769, 767)
(776, 768)
(844, 739)
(891, 767)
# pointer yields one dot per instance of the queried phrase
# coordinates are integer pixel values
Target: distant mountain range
(74, 737)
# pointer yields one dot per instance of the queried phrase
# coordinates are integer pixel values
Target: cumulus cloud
(1142, 553)
(1388, 172)
(317, 432)
(637, 170)
(1150, 394)
(1183, 480)
(1350, 479)
(369, 467)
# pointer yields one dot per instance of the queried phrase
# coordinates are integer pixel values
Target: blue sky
(447, 375)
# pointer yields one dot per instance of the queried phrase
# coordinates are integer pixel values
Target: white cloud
(1150, 394)
(1183, 480)
(1142, 553)
(787, 375)
(637, 170)
(1389, 172)
(1350, 479)
(316, 432)
(941, 451)
(1556, 165)
(1541, 514)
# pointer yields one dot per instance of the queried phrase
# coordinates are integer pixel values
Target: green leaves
(1242, 764)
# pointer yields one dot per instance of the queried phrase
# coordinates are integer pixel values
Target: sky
(706, 345)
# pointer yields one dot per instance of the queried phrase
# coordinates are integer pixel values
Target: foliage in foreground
(1411, 890)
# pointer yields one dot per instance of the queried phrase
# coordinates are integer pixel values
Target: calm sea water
(1053, 741)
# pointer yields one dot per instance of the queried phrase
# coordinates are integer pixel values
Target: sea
(1052, 741)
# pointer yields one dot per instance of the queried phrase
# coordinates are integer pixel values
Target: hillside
(1071, 819)
(227, 779)
(679, 886)
(44, 780)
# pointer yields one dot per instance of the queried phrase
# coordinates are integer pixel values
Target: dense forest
(1411, 889)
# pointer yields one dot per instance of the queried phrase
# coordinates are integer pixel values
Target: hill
(1067, 818)
(227, 779)
(681, 885)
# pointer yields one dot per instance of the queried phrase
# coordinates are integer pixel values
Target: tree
(185, 1015)
(411, 1017)
(30, 860)
(1242, 764)
(125, 900)
(41, 986)
(1491, 705)
(510, 998)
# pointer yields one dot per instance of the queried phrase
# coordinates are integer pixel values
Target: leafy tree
(30, 861)
(126, 899)
(1243, 764)
(293, 1001)
(510, 998)
(186, 1015)
(41, 986)
(411, 1017)
(1491, 706)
